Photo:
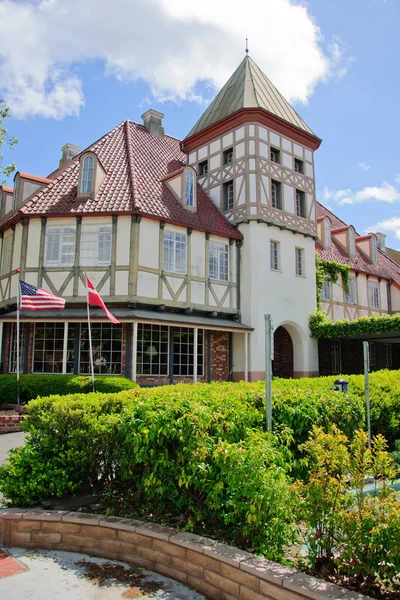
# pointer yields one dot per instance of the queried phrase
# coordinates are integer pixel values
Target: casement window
(48, 344)
(352, 241)
(96, 241)
(203, 168)
(152, 349)
(336, 356)
(218, 261)
(388, 355)
(6, 255)
(189, 188)
(12, 365)
(300, 203)
(274, 255)
(174, 252)
(326, 292)
(351, 296)
(227, 157)
(299, 261)
(183, 357)
(373, 294)
(107, 349)
(327, 233)
(60, 246)
(275, 155)
(276, 200)
(228, 195)
(87, 175)
(298, 166)
(372, 354)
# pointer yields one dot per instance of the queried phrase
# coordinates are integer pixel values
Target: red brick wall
(12, 423)
(219, 356)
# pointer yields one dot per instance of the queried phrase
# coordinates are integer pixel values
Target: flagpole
(90, 331)
(18, 325)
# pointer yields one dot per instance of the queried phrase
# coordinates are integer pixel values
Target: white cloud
(392, 224)
(364, 166)
(385, 193)
(170, 44)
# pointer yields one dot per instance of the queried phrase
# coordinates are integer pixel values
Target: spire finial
(247, 45)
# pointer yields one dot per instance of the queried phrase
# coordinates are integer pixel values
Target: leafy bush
(33, 386)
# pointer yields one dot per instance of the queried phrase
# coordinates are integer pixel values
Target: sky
(71, 70)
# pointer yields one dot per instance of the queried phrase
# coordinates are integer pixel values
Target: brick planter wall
(9, 424)
(216, 570)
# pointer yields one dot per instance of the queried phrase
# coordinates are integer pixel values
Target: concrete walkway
(8, 441)
(55, 574)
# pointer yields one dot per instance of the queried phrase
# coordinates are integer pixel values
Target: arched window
(189, 188)
(87, 175)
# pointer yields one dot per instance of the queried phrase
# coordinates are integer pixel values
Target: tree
(5, 170)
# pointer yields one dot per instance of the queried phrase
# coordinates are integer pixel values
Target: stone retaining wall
(10, 423)
(216, 570)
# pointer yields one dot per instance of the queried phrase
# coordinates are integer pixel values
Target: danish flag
(94, 299)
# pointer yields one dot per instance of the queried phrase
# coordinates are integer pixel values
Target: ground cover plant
(198, 457)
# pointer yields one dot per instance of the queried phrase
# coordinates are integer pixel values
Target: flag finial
(247, 45)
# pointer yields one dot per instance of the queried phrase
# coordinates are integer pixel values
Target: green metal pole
(366, 379)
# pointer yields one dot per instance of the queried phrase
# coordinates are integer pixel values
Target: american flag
(34, 298)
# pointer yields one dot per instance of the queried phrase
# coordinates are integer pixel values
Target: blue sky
(73, 69)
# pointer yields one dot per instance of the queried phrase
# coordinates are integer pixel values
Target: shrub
(33, 386)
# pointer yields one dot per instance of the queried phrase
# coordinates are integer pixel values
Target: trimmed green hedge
(322, 327)
(33, 386)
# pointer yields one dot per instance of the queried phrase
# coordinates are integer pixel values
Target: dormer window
(189, 188)
(87, 175)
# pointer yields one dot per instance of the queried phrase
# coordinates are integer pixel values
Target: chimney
(68, 152)
(381, 237)
(152, 120)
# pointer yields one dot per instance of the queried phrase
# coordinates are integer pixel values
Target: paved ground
(54, 574)
(8, 441)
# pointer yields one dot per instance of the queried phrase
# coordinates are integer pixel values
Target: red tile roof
(33, 177)
(383, 267)
(135, 163)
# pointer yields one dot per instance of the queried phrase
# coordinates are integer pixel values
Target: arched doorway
(283, 353)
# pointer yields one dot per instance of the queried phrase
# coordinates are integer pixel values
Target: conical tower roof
(248, 87)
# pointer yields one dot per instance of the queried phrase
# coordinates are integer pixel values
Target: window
(299, 257)
(373, 293)
(48, 348)
(300, 203)
(189, 188)
(298, 166)
(327, 233)
(218, 261)
(327, 289)
(228, 195)
(107, 349)
(351, 297)
(276, 194)
(227, 157)
(274, 255)
(372, 354)
(174, 252)
(12, 365)
(6, 255)
(388, 355)
(203, 168)
(275, 155)
(60, 246)
(373, 249)
(95, 245)
(152, 349)
(352, 242)
(87, 175)
(336, 356)
(183, 340)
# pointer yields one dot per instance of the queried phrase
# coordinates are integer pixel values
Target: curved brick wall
(218, 571)
(10, 423)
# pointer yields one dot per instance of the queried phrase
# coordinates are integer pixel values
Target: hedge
(322, 327)
(33, 386)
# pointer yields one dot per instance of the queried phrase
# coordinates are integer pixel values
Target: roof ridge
(130, 159)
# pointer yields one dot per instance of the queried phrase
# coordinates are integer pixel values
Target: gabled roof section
(135, 163)
(248, 87)
(383, 267)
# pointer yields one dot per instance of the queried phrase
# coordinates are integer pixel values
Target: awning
(127, 315)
